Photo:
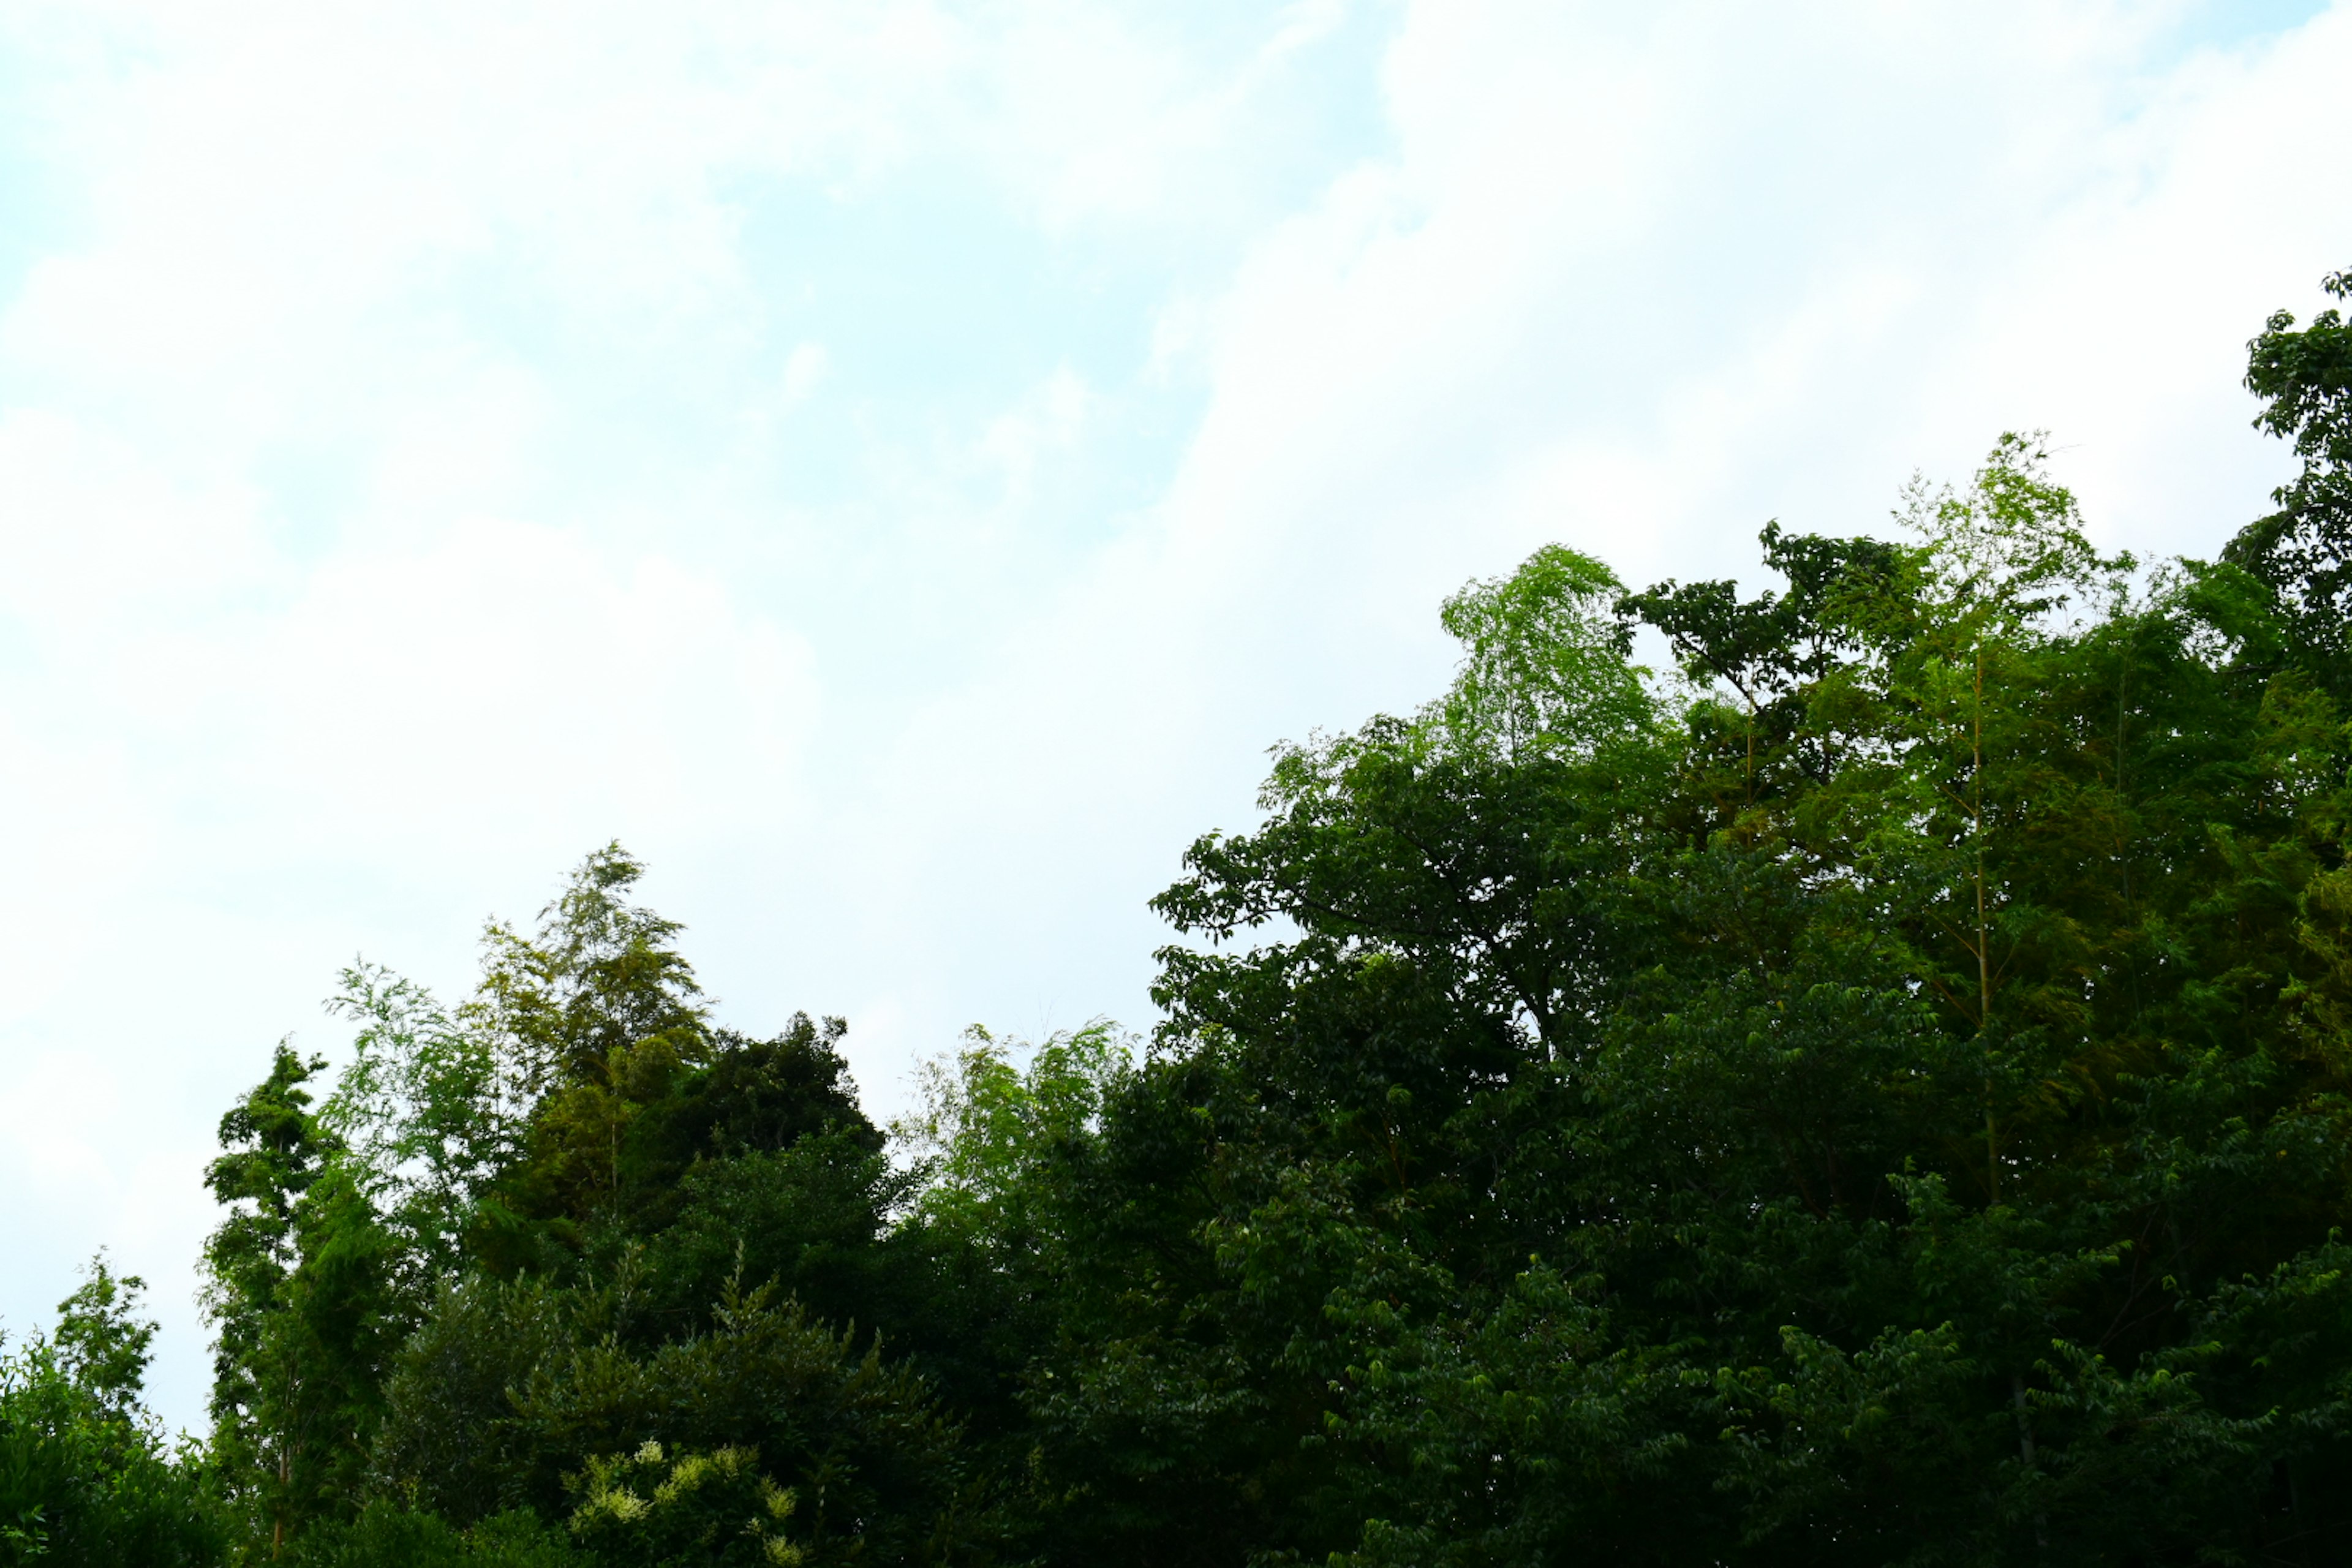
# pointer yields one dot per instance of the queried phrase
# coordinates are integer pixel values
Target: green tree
(509, 1388)
(591, 1017)
(303, 1291)
(2303, 552)
(387, 1535)
(1543, 661)
(1855, 1123)
(688, 1511)
(101, 1343)
(86, 1479)
(422, 1115)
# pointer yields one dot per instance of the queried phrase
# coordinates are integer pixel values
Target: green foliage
(595, 1015)
(518, 1226)
(423, 1112)
(1827, 1132)
(303, 1290)
(598, 982)
(1543, 661)
(647, 1511)
(101, 1343)
(509, 1388)
(988, 1126)
(85, 1480)
(2303, 552)
(385, 1535)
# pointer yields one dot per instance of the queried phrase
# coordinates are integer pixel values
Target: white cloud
(803, 372)
(1046, 421)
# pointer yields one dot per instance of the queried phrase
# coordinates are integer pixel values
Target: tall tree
(303, 1291)
(594, 1016)
(102, 1342)
(86, 1479)
(2303, 551)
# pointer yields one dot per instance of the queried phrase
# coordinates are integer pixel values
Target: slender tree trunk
(1984, 939)
(284, 1486)
(285, 1440)
(1751, 751)
(2025, 1452)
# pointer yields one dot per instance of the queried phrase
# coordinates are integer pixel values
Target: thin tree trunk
(2025, 1452)
(1984, 941)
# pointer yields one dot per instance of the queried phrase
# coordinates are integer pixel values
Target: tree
(426, 1123)
(493, 1254)
(1857, 1124)
(302, 1290)
(2303, 552)
(511, 1388)
(86, 1479)
(592, 1018)
(101, 1343)
(1543, 661)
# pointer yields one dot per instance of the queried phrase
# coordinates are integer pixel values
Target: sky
(898, 465)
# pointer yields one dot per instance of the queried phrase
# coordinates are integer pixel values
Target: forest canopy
(1871, 1091)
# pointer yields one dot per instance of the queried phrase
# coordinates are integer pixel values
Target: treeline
(1876, 1093)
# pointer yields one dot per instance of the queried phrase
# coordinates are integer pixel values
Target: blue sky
(897, 464)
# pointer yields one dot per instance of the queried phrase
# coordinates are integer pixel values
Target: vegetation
(85, 1478)
(1876, 1092)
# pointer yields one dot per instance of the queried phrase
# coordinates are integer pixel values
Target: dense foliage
(85, 1478)
(1876, 1092)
